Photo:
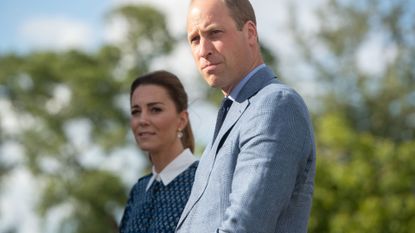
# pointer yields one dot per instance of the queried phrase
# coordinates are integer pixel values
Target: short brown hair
(241, 11)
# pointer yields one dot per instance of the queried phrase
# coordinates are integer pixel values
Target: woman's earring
(180, 134)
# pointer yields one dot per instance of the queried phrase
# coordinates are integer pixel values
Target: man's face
(220, 50)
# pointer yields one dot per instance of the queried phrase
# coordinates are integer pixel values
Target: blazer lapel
(235, 112)
(199, 186)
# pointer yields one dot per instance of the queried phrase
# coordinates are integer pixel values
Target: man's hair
(241, 11)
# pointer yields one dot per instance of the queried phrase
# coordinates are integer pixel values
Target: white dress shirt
(173, 169)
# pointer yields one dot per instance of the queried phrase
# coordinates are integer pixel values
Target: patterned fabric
(158, 210)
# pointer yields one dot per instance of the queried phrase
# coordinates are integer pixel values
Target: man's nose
(205, 48)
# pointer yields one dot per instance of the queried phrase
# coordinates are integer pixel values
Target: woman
(161, 127)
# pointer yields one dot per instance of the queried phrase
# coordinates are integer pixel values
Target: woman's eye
(156, 110)
(135, 112)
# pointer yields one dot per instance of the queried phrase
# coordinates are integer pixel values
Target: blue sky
(15, 14)
(56, 24)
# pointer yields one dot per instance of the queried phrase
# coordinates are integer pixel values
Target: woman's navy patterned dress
(158, 209)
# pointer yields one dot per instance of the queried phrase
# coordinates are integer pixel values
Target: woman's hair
(176, 92)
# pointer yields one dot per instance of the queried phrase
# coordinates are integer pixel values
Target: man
(257, 175)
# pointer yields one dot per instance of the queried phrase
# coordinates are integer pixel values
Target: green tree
(365, 129)
(364, 183)
(146, 37)
(52, 92)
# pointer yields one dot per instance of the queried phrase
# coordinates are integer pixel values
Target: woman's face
(155, 121)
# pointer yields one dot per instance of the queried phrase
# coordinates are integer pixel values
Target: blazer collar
(259, 80)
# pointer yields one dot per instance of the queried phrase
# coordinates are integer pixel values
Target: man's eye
(215, 34)
(194, 39)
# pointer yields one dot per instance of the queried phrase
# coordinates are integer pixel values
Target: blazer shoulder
(277, 90)
(276, 96)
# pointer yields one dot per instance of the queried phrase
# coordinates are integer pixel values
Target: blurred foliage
(365, 128)
(146, 38)
(93, 196)
(363, 56)
(51, 93)
(364, 183)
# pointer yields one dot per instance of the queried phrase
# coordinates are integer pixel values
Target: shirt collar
(235, 92)
(173, 169)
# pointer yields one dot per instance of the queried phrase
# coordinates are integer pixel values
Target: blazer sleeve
(275, 141)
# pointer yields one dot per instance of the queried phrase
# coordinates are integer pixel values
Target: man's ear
(251, 32)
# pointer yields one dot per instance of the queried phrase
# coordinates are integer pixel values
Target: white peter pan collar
(173, 169)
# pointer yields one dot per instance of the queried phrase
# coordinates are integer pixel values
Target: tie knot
(224, 108)
(226, 103)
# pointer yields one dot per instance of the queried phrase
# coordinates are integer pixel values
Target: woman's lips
(145, 134)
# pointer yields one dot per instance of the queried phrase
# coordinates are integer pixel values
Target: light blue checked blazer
(258, 175)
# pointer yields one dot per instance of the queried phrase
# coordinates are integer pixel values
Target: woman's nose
(143, 119)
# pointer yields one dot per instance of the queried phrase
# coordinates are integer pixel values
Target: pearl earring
(180, 134)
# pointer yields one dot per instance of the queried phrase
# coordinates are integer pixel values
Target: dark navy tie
(223, 110)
